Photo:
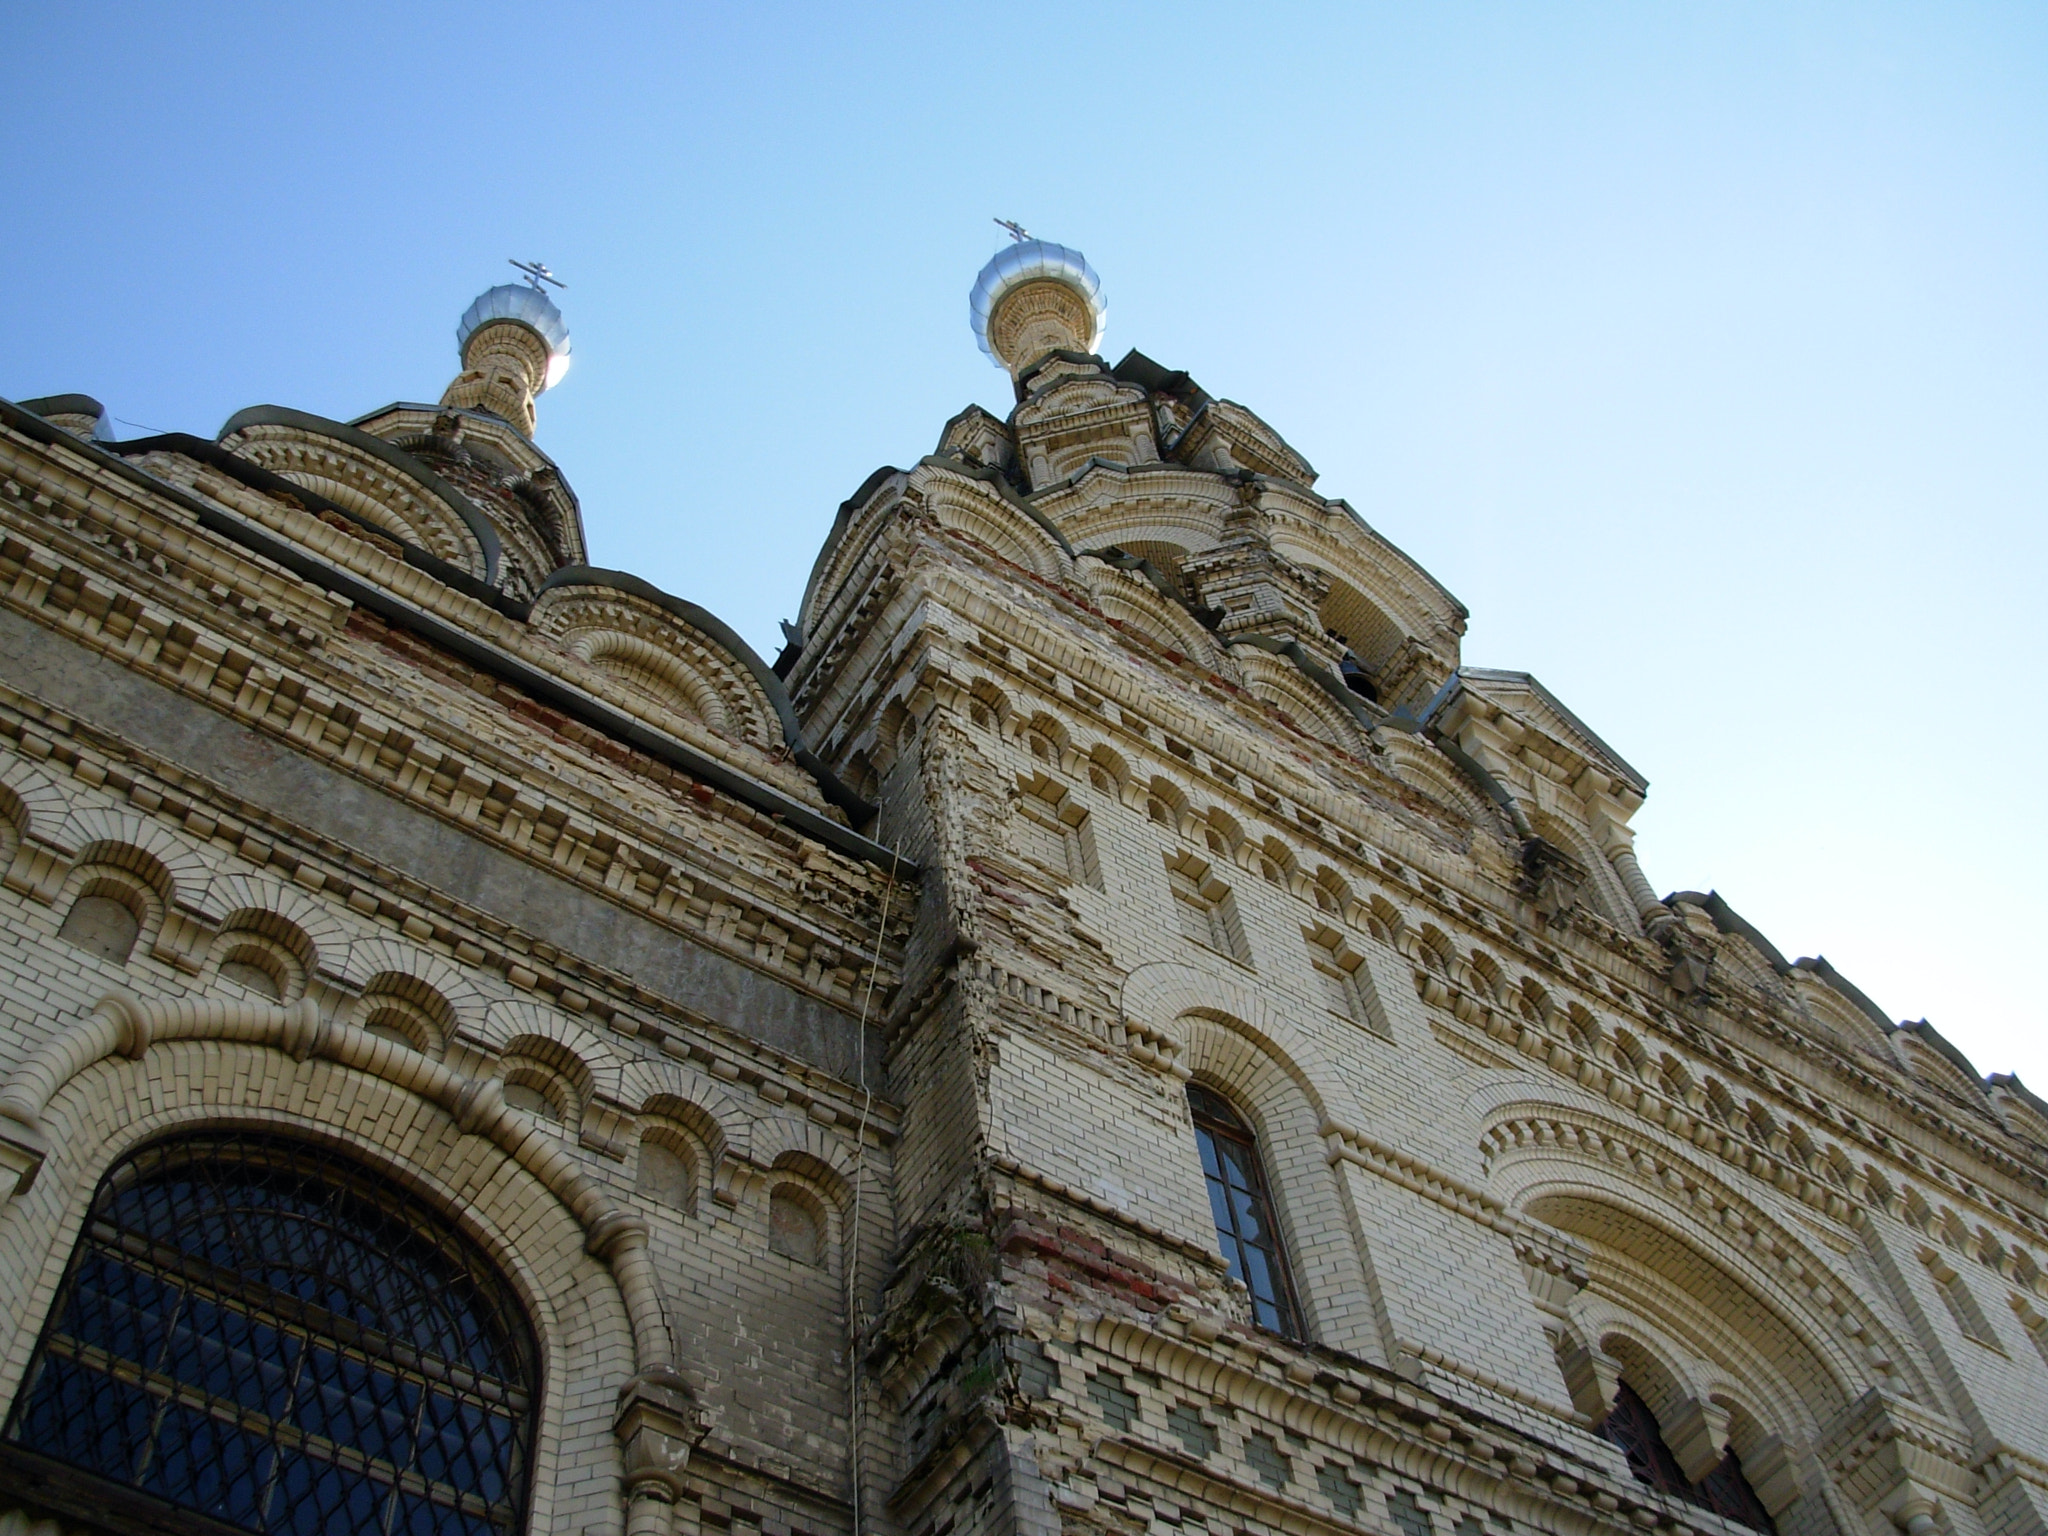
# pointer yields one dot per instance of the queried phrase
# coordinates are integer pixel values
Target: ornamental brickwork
(1118, 1030)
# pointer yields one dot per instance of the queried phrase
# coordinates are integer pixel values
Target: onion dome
(530, 308)
(515, 346)
(1032, 298)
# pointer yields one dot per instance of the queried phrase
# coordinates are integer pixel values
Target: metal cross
(1017, 231)
(537, 273)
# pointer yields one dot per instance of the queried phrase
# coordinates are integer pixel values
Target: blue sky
(1701, 350)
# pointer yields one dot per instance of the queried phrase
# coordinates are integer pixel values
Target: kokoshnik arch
(1117, 1029)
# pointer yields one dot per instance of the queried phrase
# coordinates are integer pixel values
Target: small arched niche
(798, 1227)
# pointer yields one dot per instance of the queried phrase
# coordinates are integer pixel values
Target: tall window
(1244, 1215)
(1633, 1427)
(254, 1330)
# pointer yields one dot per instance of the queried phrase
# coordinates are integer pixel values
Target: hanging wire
(854, 1316)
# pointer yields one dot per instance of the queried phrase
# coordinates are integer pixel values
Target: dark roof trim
(65, 405)
(291, 493)
(1728, 920)
(1817, 966)
(995, 479)
(2019, 1090)
(841, 520)
(377, 448)
(711, 625)
(1056, 355)
(1934, 1037)
(1158, 379)
(549, 690)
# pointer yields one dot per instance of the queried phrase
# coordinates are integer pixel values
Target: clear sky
(1700, 349)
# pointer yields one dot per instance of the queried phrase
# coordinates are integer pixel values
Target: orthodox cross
(1017, 231)
(536, 274)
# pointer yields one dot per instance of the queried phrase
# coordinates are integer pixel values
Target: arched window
(1633, 1427)
(255, 1330)
(1245, 1227)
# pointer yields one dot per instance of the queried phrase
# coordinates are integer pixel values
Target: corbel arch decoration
(1424, 769)
(377, 961)
(403, 1006)
(667, 650)
(33, 805)
(658, 1421)
(1278, 680)
(285, 911)
(93, 831)
(370, 478)
(1127, 598)
(978, 510)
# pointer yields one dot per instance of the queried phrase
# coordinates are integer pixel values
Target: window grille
(1245, 1228)
(1726, 1490)
(1631, 1425)
(256, 1331)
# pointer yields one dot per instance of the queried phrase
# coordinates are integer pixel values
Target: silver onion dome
(1029, 261)
(532, 309)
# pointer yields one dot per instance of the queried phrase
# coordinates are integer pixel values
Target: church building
(1116, 1030)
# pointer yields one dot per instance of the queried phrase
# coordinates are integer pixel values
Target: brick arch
(145, 866)
(1163, 996)
(232, 898)
(693, 1099)
(698, 1124)
(377, 956)
(787, 1141)
(971, 508)
(1279, 683)
(31, 800)
(1652, 1265)
(535, 1241)
(1602, 1194)
(1128, 599)
(86, 826)
(1659, 1368)
(511, 1020)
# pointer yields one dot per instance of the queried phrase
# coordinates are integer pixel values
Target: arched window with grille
(260, 1334)
(1245, 1225)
